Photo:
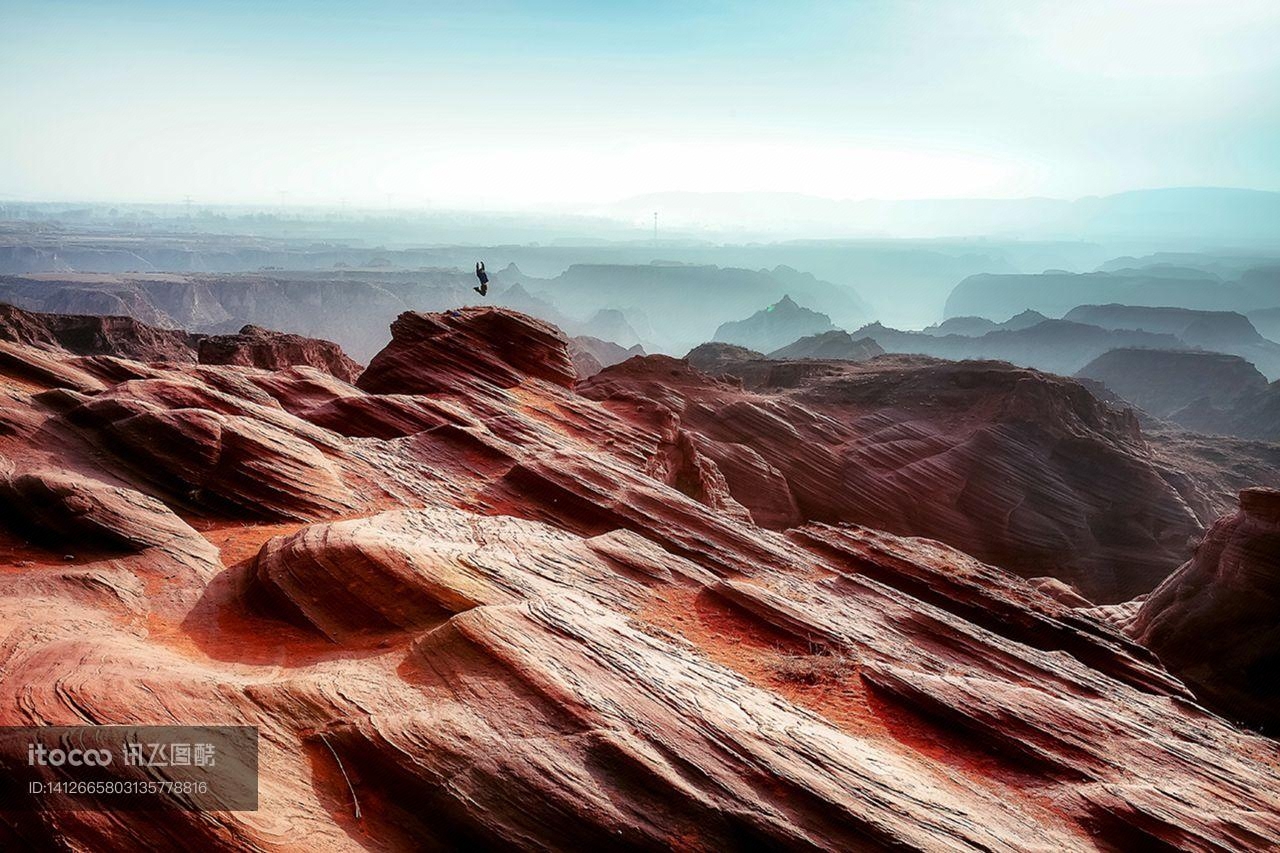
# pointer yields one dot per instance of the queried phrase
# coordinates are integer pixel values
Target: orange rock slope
(469, 606)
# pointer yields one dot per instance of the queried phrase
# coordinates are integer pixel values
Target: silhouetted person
(483, 289)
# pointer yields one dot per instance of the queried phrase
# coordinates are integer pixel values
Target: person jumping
(483, 289)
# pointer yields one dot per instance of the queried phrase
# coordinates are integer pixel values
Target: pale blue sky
(528, 104)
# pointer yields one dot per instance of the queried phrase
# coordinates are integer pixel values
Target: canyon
(471, 599)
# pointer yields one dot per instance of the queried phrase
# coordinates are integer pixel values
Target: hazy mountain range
(1201, 214)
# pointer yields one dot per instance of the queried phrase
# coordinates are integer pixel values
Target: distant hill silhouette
(1203, 391)
(1058, 346)
(837, 344)
(1055, 292)
(1200, 213)
(1219, 331)
(972, 327)
(610, 324)
(692, 300)
(774, 327)
(1267, 322)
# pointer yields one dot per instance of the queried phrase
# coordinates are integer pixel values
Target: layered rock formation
(126, 337)
(1020, 468)
(469, 607)
(95, 335)
(254, 346)
(1216, 621)
(350, 307)
(438, 352)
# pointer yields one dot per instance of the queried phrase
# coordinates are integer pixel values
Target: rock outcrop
(97, 335)
(235, 460)
(1216, 621)
(253, 346)
(712, 356)
(1019, 468)
(59, 507)
(127, 338)
(350, 307)
(469, 607)
(433, 353)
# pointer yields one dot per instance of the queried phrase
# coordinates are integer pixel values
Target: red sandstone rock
(58, 506)
(91, 335)
(258, 347)
(1060, 592)
(1215, 621)
(489, 611)
(432, 353)
(1018, 467)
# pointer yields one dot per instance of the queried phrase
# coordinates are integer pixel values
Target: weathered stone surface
(124, 337)
(59, 506)
(254, 346)
(414, 568)
(222, 443)
(435, 353)
(1060, 592)
(33, 368)
(509, 615)
(1017, 467)
(1216, 621)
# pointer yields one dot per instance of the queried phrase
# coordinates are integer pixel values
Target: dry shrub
(821, 665)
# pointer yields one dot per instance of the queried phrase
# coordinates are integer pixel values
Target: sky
(564, 104)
